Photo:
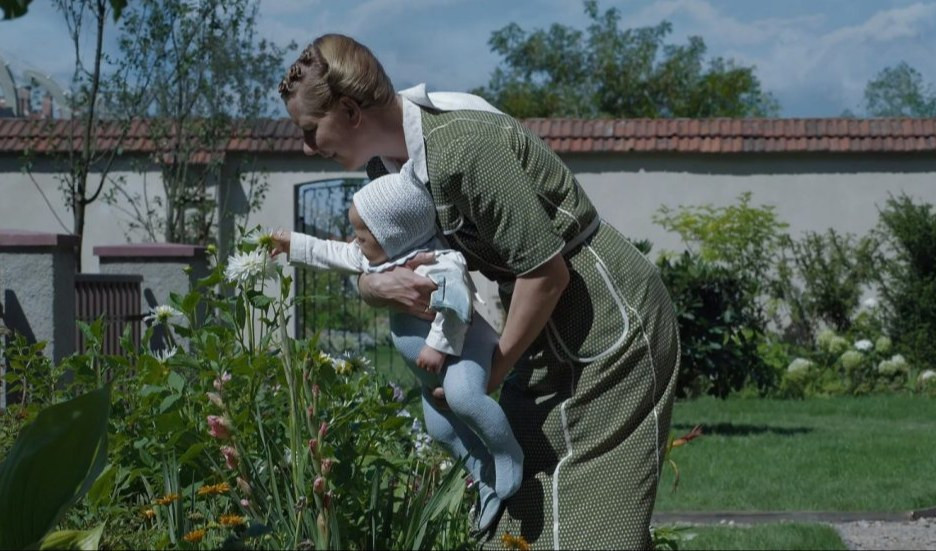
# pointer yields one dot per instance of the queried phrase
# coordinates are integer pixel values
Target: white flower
(799, 364)
(257, 236)
(162, 314)
(245, 267)
(864, 345)
(162, 356)
(883, 344)
(927, 377)
(870, 303)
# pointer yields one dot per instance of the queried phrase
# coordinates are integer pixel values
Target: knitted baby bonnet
(398, 210)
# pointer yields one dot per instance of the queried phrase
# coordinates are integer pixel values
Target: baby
(394, 220)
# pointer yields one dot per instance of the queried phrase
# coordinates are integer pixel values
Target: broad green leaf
(83, 540)
(103, 486)
(51, 465)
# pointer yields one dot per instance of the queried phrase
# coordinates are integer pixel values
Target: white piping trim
(555, 477)
(466, 119)
(603, 272)
(656, 414)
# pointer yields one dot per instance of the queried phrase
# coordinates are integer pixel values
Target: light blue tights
(475, 427)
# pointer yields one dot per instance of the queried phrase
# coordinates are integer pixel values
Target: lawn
(833, 454)
(763, 536)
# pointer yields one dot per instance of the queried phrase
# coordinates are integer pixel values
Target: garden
(807, 363)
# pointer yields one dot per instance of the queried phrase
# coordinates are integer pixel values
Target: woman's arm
(535, 296)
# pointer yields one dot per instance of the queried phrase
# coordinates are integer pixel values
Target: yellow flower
(515, 542)
(214, 489)
(194, 536)
(231, 520)
(148, 514)
(167, 499)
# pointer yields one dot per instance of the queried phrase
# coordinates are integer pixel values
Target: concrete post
(166, 268)
(37, 288)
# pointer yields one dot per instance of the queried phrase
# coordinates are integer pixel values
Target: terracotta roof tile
(718, 135)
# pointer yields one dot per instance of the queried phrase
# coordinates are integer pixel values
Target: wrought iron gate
(328, 304)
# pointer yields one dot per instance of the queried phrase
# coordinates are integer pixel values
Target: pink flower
(319, 485)
(327, 466)
(245, 503)
(219, 383)
(230, 456)
(219, 427)
(316, 390)
(313, 446)
(323, 429)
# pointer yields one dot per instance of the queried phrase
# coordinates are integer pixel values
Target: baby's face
(372, 250)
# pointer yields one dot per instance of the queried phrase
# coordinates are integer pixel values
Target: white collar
(413, 99)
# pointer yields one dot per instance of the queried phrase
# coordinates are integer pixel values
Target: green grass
(761, 536)
(834, 454)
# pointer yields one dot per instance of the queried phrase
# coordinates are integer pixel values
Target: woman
(590, 341)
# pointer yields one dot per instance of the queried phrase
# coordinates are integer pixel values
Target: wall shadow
(733, 429)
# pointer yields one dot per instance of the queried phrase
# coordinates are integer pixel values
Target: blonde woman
(589, 350)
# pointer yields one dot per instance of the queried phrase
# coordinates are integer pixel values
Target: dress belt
(507, 286)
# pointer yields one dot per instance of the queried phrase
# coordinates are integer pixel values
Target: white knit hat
(398, 210)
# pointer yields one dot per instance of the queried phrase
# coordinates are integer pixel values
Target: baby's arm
(320, 254)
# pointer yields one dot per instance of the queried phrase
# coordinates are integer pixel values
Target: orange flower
(194, 536)
(214, 489)
(167, 499)
(148, 514)
(515, 542)
(689, 436)
(231, 520)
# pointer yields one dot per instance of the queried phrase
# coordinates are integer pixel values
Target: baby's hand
(281, 239)
(430, 359)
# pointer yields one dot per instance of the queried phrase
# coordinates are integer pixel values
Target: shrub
(907, 277)
(718, 330)
(820, 279)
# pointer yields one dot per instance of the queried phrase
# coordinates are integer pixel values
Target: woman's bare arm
(535, 296)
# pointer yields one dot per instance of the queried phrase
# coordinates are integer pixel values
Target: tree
(899, 91)
(213, 75)
(84, 167)
(607, 72)
(17, 8)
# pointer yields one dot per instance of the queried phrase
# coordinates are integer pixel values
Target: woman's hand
(401, 288)
(500, 368)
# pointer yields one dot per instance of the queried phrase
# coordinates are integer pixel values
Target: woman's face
(333, 136)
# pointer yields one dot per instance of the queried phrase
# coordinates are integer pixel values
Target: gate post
(37, 288)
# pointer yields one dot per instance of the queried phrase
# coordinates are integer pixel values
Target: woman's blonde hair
(336, 66)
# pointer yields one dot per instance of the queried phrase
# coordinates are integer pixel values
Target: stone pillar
(37, 288)
(166, 268)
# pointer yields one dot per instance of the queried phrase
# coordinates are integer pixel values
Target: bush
(820, 279)
(907, 277)
(718, 329)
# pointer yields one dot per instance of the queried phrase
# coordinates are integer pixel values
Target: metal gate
(328, 304)
(116, 297)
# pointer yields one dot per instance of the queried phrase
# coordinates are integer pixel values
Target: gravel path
(909, 534)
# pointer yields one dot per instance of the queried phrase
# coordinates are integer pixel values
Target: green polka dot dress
(590, 404)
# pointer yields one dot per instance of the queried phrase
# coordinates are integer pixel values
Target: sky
(814, 56)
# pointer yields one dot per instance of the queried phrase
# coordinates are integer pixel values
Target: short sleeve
(487, 183)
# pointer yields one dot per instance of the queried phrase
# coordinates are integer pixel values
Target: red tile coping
(564, 135)
(25, 238)
(148, 250)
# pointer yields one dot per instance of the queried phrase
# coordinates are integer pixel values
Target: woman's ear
(351, 109)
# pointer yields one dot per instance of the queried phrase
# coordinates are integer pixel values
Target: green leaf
(168, 402)
(191, 453)
(84, 540)
(176, 381)
(51, 465)
(103, 486)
